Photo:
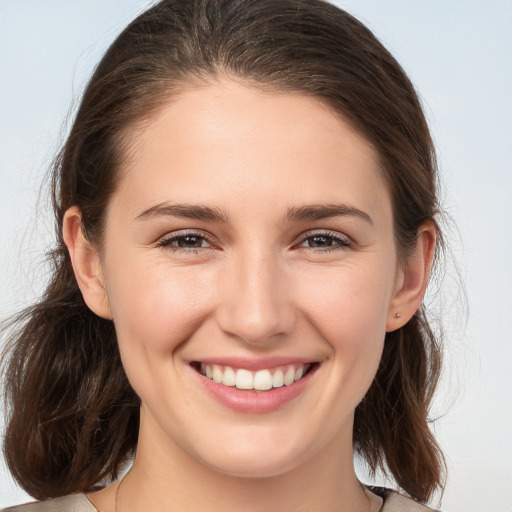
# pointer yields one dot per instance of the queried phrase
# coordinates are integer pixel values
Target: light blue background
(458, 54)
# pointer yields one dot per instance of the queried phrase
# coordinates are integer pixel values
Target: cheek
(155, 307)
(156, 310)
(346, 301)
(348, 309)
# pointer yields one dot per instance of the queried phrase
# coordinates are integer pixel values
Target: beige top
(393, 502)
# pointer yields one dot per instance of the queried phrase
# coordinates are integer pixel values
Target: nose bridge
(254, 302)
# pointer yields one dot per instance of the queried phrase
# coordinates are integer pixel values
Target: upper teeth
(261, 380)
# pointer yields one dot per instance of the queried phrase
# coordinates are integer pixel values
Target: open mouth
(260, 380)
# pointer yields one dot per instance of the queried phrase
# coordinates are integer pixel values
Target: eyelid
(345, 241)
(166, 240)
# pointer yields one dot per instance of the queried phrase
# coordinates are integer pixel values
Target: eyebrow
(294, 214)
(187, 211)
(324, 211)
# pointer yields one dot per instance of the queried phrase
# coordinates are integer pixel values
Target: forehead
(232, 142)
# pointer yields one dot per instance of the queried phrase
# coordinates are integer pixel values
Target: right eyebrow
(188, 211)
(325, 211)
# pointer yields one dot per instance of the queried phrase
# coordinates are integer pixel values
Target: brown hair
(73, 415)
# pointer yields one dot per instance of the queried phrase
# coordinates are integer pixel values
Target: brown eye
(190, 241)
(185, 241)
(324, 241)
(320, 241)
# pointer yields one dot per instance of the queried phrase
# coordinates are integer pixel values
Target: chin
(248, 457)
(254, 466)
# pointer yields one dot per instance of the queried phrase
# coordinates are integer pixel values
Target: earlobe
(412, 279)
(86, 264)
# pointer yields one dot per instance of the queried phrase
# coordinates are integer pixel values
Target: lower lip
(253, 401)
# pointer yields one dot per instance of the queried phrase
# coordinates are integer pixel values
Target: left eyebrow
(188, 211)
(324, 211)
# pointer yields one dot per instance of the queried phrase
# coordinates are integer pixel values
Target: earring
(397, 315)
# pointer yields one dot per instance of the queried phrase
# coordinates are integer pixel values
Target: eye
(184, 241)
(324, 241)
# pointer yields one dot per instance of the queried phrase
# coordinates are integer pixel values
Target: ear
(412, 279)
(86, 264)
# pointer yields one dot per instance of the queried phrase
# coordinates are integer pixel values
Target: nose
(254, 303)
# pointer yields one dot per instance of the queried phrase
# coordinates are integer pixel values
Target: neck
(166, 478)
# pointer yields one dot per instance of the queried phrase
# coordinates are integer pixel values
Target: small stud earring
(397, 315)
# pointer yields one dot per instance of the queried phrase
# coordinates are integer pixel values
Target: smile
(261, 380)
(255, 386)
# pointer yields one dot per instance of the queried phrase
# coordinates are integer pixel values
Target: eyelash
(339, 243)
(168, 242)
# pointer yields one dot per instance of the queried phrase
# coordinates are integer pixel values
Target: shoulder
(71, 503)
(396, 502)
(393, 502)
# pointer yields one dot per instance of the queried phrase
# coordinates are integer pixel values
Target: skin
(255, 284)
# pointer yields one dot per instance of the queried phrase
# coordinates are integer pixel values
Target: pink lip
(253, 401)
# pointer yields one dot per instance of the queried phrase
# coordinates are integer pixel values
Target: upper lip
(255, 364)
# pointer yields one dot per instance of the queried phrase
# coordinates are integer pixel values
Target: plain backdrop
(459, 56)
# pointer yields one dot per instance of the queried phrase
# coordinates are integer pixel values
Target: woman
(246, 210)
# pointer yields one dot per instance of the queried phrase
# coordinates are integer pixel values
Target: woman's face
(250, 240)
